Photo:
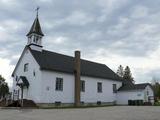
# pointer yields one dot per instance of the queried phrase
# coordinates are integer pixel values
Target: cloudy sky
(113, 32)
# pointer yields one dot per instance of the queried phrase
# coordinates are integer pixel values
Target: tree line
(124, 73)
(156, 88)
(4, 89)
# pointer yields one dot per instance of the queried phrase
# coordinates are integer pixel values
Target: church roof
(62, 63)
(36, 28)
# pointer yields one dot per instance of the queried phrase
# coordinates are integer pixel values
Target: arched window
(34, 39)
(37, 39)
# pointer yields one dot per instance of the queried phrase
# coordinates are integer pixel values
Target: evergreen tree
(2, 80)
(4, 89)
(127, 74)
(120, 71)
(156, 88)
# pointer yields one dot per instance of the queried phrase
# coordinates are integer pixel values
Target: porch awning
(23, 82)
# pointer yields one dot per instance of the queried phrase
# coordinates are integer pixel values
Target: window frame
(147, 92)
(26, 67)
(82, 86)
(34, 73)
(99, 87)
(114, 87)
(59, 84)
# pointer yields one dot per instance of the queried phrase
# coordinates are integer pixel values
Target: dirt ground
(100, 113)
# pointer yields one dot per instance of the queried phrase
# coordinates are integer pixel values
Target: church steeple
(35, 34)
(36, 28)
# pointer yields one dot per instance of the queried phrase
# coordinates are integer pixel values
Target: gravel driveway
(100, 113)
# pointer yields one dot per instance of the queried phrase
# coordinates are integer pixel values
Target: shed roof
(129, 86)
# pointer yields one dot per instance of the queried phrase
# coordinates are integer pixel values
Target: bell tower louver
(35, 35)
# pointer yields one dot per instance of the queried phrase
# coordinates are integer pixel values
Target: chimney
(77, 73)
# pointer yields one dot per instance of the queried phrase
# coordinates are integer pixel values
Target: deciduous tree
(4, 89)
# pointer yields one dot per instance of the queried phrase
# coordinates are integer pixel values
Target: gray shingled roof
(36, 28)
(63, 63)
(131, 86)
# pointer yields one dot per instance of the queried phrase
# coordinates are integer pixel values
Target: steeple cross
(37, 9)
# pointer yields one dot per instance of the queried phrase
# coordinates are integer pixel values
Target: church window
(34, 40)
(34, 73)
(147, 92)
(99, 87)
(114, 88)
(15, 92)
(82, 86)
(26, 67)
(59, 84)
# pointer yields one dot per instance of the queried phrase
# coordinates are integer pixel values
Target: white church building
(51, 78)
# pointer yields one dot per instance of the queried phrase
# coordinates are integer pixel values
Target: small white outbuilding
(133, 92)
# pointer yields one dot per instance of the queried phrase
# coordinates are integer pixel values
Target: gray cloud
(125, 28)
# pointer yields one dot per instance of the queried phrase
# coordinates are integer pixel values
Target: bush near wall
(157, 103)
